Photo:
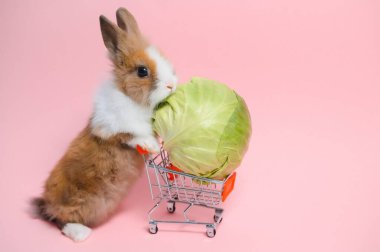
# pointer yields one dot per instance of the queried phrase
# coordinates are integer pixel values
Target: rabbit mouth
(159, 94)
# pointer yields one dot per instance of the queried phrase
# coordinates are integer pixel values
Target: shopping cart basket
(170, 185)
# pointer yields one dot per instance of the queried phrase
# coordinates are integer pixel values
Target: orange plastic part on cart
(228, 186)
(171, 176)
(141, 150)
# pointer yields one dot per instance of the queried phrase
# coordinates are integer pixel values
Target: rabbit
(101, 163)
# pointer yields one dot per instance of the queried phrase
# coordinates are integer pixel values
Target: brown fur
(93, 176)
(133, 86)
(90, 180)
(126, 46)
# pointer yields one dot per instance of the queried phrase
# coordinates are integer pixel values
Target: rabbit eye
(142, 71)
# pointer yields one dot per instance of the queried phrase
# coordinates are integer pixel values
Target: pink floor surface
(309, 71)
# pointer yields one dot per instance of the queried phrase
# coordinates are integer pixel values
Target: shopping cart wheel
(171, 206)
(153, 229)
(211, 232)
(218, 219)
(218, 216)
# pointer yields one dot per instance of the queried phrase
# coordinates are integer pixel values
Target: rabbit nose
(170, 86)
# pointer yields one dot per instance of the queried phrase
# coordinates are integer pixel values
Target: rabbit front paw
(148, 143)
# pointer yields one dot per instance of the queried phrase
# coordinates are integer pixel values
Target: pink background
(309, 71)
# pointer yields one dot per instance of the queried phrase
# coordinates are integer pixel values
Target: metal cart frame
(169, 184)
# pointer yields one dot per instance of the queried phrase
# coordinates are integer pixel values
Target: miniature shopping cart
(170, 185)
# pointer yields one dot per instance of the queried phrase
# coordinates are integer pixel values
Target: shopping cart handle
(141, 150)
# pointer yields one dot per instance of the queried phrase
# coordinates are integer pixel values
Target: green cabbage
(205, 127)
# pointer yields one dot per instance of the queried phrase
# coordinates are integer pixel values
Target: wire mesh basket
(170, 185)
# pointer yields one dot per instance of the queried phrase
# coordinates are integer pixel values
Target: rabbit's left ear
(113, 36)
(127, 22)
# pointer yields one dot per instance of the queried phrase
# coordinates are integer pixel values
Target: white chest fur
(114, 112)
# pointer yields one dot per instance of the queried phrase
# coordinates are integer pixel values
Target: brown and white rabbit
(101, 163)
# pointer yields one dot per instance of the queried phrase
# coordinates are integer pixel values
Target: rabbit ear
(127, 22)
(111, 33)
